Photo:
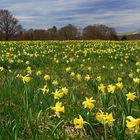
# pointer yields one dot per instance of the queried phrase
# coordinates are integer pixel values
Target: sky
(123, 15)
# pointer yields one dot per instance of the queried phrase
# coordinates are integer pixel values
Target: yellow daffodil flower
(87, 77)
(136, 80)
(101, 88)
(26, 79)
(89, 103)
(58, 108)
(98, 78)
(111, 88)
(119, 85)
(79, 122)
(45, 89)
(131, 96)
(133, 124)
(47, 77)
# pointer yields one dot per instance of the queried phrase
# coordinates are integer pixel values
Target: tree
(90, 33)
(40, 34)
(52, 32)
(9, 26)
(68, 32)
(99, 31)
(123, 37)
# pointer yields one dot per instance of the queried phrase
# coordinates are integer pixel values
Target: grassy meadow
(70, 90)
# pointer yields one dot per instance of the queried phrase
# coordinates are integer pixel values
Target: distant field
(63, 90)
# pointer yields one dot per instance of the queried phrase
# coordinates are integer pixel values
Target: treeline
(130, 37)
(69, 32)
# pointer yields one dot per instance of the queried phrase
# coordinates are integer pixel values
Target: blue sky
(123, 15)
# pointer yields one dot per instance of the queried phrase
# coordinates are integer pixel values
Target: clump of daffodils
(60, 93)
(105, 118)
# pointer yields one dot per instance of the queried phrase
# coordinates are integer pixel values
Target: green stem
(105, 132)
(93, 132)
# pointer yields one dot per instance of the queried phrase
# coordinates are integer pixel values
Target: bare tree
(9, 26)
(68, 32)
(99, 31)
(52, 32)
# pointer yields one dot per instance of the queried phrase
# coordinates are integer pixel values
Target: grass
(26, 113)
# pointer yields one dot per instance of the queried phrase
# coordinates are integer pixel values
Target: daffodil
(1, 69)
(11, 61)
(98, 78)
(137, 63)
(79, 122)
(119, 85)
(19, 76)
(27, 62)
(72, 74)
(87, 77)
(47, 77)
(38, 73)
(68, 69)
(111, 88)
(136, 80)
(55, 83)
(79, 77)
(105, 118)
(109, 119)
(89, 103)
(133, 124)
(130, 75)
(89, 68)
(65, 90)
(100, 117)
(58, 108)
(58, 94)
(119, 79)
(101, 88)
(26, 78)
(45, 89)
(131, 96)
(29, 71)
(111, 67)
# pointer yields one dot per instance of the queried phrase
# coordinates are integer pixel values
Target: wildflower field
(70, 90)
